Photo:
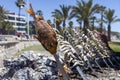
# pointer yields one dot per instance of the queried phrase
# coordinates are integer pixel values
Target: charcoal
(29, 66)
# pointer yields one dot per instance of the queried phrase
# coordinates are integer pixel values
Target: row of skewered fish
(86, 54)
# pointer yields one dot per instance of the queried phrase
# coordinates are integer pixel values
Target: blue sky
(48, 6)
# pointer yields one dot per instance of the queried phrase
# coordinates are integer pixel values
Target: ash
(29, 66)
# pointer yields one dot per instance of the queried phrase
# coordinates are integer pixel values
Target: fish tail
(31, 11)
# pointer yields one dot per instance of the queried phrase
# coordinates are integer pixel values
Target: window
(11, 18)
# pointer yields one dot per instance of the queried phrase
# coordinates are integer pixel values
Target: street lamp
(20, 4)
(27, 1)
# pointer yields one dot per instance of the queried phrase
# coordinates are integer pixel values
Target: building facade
(18, 22)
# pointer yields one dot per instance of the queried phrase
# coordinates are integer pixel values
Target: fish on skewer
(47, 37)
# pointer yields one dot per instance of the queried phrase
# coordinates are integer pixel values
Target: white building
(19, 22)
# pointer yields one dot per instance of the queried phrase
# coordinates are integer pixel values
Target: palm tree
(79, 22)
(57, 19)
(64, 13)
(2, 15)
(109, 16)
(93, 19)
(70, 27)
(39, 13)
(101, 10)
(7, 27)
(70, 24)
(83, 11)
(49, 22)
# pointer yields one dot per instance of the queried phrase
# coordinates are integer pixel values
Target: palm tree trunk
(58, 27)
(101, 24)
(64, 25)
(80, 25)
(101, 27)
(86, 24)
(93, 25)
(109, 32)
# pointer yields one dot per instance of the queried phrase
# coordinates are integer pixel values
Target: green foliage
(2, 15)
(115, 46)
(31, 48)
(83, 11)
(110, 18)
(70, 24)
(57, 19)
(49, 22)
(39, 13)
(92, 22)
(62, 14)
(34, 48)
(7, 26)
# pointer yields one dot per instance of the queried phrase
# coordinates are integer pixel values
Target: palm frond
(116, 20)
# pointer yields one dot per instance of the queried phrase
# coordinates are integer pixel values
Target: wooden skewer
(65, 76)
